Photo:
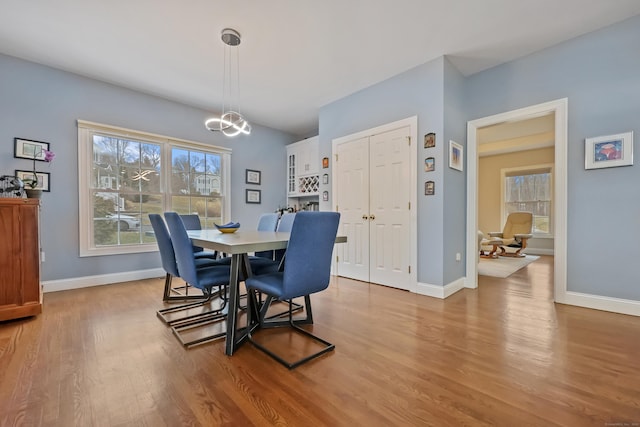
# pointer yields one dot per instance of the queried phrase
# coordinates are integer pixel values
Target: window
(124, 175)
(530, 190)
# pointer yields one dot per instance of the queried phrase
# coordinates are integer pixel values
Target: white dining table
(238, 245)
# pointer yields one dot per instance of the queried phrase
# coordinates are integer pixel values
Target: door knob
(365, 217)
(372, 217)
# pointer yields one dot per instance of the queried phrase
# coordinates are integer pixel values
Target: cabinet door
(313, 162)
(292, 165)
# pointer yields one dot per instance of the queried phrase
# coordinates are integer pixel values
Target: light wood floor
(501, 355)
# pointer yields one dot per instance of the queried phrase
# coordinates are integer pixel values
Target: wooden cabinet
(20, 290)
(302, 168)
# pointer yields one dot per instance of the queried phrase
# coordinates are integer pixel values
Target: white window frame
(86, 130)
(522, 170)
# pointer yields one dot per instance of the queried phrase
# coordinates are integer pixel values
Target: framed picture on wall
(456, 156)
(253, 196)
(609, 151)
(429, 164)
(29, 149)
(252, 177)
(430, 140)
(429, 188)
(44, 179)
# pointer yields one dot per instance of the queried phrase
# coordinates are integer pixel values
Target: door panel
(390, 156)
(353, 202)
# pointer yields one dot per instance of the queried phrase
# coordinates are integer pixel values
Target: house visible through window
(530, 190)
(125, 175)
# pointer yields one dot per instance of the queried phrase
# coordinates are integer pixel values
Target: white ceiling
(296, 55)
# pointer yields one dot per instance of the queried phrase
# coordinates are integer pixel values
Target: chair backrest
(518, 223)
(308, 265)
(286, 222)
(167, 255)
(284, 225)
(267, 222)
(183, 248)
(192, 222)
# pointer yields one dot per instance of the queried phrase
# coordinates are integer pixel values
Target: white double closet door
(373, 198)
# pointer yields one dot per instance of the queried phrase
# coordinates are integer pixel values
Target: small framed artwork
(325, 196)
(430, 140)
(429, 164)
(325, 162)
(429, 188)
(609, 151)
(325, 178)
(28, 149)
(253, 196)
(44, 179)
(456, 156)
(252, 177)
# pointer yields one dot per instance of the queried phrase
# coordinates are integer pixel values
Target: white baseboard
(102, 279)
(441, 292)
(538, 251)
(597, 302)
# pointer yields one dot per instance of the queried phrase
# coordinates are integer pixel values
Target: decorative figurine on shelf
(11, 186)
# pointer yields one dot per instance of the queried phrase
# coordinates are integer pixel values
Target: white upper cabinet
(302, 168)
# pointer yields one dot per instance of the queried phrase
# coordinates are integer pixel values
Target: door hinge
(337, 258)
(336, 157)
(409, 269)
(409, 205)
(409, 140)
(337, 208)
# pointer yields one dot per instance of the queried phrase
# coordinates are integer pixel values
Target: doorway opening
(557, 110)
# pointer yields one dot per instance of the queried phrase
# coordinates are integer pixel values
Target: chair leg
(290, 365)
(164, 314)
(167, 297)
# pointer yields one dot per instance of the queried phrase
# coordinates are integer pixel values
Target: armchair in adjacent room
(517, 230)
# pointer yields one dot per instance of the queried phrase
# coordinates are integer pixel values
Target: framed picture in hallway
(456, 156)
(609, 151)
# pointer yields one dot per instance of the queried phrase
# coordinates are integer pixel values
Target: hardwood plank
(503, 354)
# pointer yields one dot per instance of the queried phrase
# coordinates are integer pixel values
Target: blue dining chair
(192, 222)
(267, 222)
(170, 266)
(203, 278)
(306, 271)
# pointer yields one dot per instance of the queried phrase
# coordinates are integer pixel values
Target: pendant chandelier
(230, 122)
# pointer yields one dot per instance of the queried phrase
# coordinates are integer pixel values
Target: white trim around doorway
(559, 109)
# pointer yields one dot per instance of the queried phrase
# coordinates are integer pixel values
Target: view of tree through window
(125, 185)
(196, 184)
(530, 192)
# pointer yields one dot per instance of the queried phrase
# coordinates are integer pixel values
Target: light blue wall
(455, 195)
(43, 104)
(416, 92)
(600, 75)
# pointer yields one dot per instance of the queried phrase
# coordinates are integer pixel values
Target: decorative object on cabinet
(429, 164)
(325, 178)
(609, 151)
(456, 156)
(42, 181)
(252, 177)
(325, 162)
(430, 140)
(21, 294)
(429, 188)
(253, 196)
(325, 196)
(11, 187)
(29, 149)
(230, 122)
